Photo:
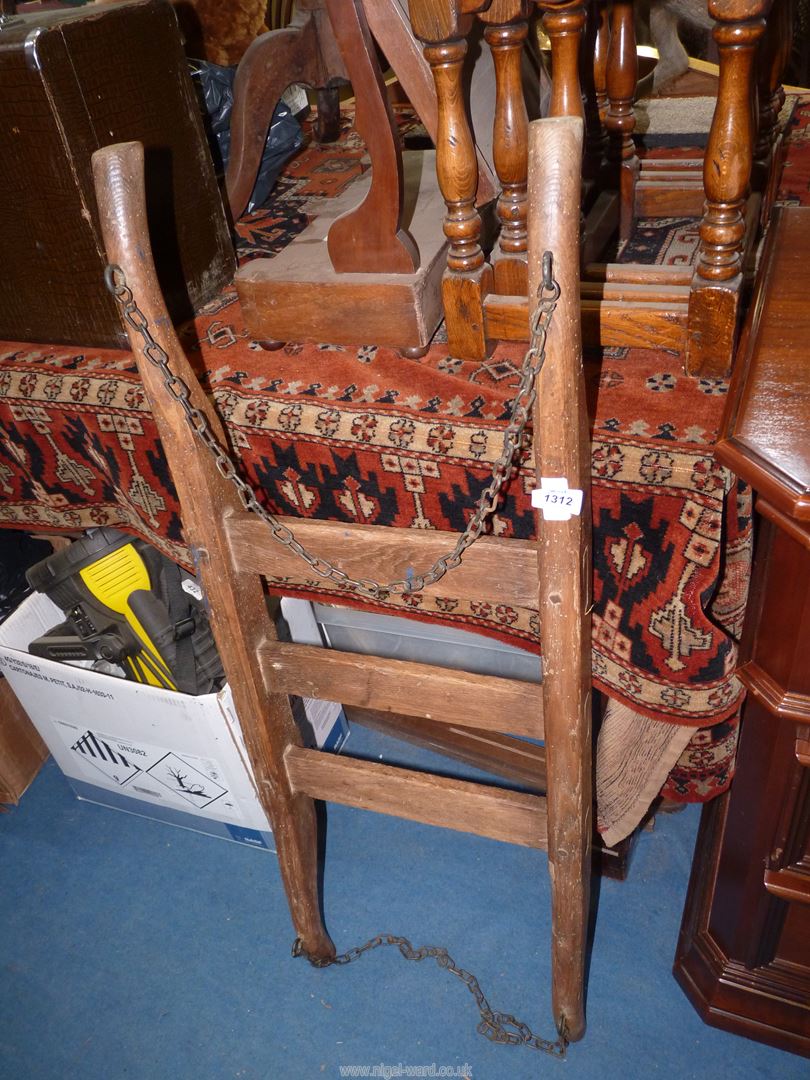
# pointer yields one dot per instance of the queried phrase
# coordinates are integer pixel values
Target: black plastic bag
(18, 551)
(284, 136)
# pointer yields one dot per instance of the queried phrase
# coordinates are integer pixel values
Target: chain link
(498, 1027)
(547, 295)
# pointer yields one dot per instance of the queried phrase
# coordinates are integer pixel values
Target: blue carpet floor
(133, 949)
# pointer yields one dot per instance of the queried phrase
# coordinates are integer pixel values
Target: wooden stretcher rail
(515, 759)
(639, 273)
(511, 816)
(657, 197)
(605, 323)
(500, 571)
(509, 706)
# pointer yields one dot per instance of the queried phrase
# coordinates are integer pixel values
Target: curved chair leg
(271, 63)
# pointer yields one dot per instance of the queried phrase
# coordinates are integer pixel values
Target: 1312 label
(555, 500)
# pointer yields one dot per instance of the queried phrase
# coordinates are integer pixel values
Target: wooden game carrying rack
(236, 550)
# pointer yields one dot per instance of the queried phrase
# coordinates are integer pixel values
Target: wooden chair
(693, 312)
(234, 549)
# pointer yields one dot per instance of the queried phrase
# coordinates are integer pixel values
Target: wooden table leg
(622, 77)
(716, 295)
(271, 63)
(510, 148)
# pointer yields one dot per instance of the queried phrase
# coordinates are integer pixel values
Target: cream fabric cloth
(634, 755)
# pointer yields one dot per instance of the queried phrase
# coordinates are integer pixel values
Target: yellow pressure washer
(127, 604)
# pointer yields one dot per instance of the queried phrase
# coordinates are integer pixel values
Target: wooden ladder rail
(261, 670)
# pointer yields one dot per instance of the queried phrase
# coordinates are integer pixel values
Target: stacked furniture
(594, 72)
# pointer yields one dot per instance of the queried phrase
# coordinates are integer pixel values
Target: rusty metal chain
(547, 295)
(497, 1026)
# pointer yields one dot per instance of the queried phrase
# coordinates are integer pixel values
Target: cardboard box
(156, 753)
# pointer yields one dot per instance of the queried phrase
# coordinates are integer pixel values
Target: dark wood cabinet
(22, 751)
(743, 955)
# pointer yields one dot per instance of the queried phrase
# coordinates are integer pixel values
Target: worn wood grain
(504, 571)
(515, 759)
(660, 197)
(22, 750)
(445, 695)
(512, 816)
(298, 296)
(564, 559)
(638, 273)
(605, 322)
(238, 615)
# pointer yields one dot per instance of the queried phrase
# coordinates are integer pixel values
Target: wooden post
(562, 449)
(622, 77)
(239, 617)
(717, 285)
(506, 30)
(468, 277)
(301, 52)
(564, 23)
(593, 78)
(600, 56)
(774, 54)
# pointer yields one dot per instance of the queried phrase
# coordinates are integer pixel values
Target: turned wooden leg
(468, 277)
(716, 287)
(593, 77)
(622, 77)
(564, 563)
(510, 152)
(600, 57)
(564, 23)
(772, 59)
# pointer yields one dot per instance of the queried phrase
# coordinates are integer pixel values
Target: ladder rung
(512, 816)
(639, 273)
(495, 569)
(503, 755)
(509, 706)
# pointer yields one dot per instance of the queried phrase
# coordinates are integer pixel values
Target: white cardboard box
(156, 753)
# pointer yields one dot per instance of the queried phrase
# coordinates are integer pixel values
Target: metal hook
(110, 273)
(548, 277)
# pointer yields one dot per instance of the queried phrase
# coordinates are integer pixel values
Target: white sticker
(556, 500)
(190, 586)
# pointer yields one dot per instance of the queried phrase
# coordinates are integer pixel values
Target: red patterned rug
(361, 434)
